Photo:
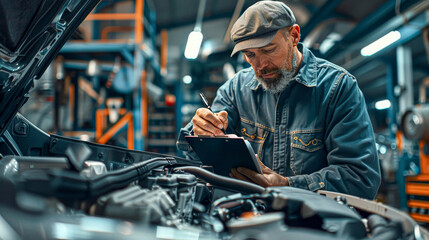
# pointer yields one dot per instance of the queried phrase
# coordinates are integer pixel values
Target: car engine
(82, 190)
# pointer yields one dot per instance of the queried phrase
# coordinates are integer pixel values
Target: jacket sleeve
(353, 164)
(224, 101)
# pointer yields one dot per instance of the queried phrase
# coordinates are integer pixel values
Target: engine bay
(83, 190)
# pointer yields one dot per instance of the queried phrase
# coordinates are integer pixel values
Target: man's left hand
(268, 178)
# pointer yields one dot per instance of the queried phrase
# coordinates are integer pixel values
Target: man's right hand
(207, 123)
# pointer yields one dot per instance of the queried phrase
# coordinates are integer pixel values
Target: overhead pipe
(322, 14)
(200, 15)
(313, 36)
(235, 15)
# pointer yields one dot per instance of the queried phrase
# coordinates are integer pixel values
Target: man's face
(273, 64)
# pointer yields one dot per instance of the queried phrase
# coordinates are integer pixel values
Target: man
(304, 116)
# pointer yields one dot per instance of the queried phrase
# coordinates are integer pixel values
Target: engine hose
(223, 182)
(72, 186)
(121, 178)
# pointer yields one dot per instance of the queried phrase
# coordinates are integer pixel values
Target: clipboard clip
(219, 136)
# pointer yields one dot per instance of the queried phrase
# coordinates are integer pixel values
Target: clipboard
(224, 152)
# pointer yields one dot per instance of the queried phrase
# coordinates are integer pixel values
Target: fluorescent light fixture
(381, 43)
(193, 45)
(187, 79)
(383, 104)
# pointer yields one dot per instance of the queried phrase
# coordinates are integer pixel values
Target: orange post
(424, 158)
(399, 144)
(71, 102)
(130, 134)
(98, 123)
(138, 21)
(164, 51)
(144, 102)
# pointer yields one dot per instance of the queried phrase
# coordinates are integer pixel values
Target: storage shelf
(161, 129)
(162, 142)
(161, 116)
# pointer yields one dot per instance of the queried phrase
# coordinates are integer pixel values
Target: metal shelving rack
(137, 53)
(162, 129)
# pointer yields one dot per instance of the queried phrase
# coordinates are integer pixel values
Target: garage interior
(122, 79)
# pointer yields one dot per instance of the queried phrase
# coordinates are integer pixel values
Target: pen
(208, 106)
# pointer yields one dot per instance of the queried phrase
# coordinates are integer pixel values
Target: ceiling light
(187, 79)
(381, 43)
(383, 104)
(193, 44)
(195, 38)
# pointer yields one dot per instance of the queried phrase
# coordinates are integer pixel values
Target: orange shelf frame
(110, 16)
(420, 189)
(420, 217)
(101, 118)
(418, 204)
(137, 16)
(418, 178)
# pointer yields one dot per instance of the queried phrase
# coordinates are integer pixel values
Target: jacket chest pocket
(255, 135)
(308, 152)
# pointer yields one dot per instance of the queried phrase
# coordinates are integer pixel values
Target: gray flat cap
(258, 25)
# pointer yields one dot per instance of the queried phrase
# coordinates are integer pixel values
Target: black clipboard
(224, 153)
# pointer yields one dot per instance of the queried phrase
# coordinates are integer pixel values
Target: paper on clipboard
(224, 152)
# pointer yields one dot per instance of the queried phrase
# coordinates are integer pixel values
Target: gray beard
(281, 83)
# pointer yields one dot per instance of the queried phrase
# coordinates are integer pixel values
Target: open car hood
(30, 38)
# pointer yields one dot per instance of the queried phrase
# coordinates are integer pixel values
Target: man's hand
(207, 123)
(269, 178)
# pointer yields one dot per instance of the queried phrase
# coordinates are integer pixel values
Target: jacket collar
(308, 69)
(306, 74)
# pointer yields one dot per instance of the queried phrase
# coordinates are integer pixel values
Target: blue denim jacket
(317, 132)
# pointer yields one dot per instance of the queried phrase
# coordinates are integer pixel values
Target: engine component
(300, 208)
(166, 204)
(415, 123)
(71, 186)
(256, 227)
(93, 168)
(180, 187)
(186, 195)
(223, 182)
(136, 204)
(11, 165)
(382, 229)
